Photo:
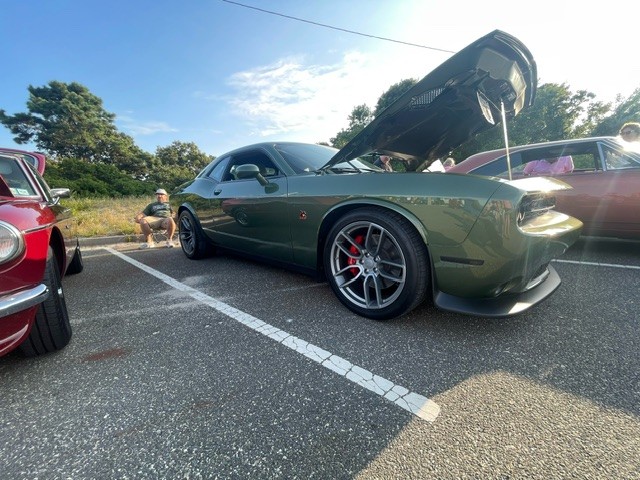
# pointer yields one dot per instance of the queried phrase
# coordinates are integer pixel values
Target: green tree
(359, 118)
(94, 179)
(67, 121)
(177, 163)
(394, 92)
(624, 110)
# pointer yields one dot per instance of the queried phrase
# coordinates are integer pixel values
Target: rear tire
(376, 263)
(51, 330)
(193, 241)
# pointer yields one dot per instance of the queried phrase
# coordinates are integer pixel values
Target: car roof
(268, 145)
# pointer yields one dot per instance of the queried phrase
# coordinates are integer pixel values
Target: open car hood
(457, 100)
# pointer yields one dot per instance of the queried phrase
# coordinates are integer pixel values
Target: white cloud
(297, 99)
(132, 127)
(305, 102)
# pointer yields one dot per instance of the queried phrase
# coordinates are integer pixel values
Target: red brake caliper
(359, 239)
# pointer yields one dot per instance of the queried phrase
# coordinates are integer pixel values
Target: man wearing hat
(157, 216)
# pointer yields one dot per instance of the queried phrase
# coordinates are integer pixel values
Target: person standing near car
(630, 132)
(384, 162)
(157, 215)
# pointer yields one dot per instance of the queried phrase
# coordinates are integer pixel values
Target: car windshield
(15, 178)
(310, 158)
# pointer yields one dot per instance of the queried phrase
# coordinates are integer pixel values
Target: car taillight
(534, 205)
(11, 242)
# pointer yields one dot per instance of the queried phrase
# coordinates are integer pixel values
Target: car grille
(424, 99)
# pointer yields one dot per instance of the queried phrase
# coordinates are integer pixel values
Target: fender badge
(302, 215)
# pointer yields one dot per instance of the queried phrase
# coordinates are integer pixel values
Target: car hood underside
(462, 97)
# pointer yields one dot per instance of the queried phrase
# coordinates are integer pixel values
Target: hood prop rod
(506, 137)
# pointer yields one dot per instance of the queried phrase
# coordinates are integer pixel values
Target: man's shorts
(155, 222)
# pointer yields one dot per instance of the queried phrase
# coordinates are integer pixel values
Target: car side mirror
(250, 170)
(61, 193)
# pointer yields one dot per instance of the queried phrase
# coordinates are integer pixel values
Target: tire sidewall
(415, 286)
(51, 330)
(200, 246)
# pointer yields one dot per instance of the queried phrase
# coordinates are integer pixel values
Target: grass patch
(98, 217)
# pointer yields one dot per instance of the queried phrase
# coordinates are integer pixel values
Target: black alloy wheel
(192, 239)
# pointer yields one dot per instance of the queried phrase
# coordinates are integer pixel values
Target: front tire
(51, 330)
(376, 263)
(193, 241)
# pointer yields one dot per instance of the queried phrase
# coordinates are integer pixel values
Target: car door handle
(217, 191)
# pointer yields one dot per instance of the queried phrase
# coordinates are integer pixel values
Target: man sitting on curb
(155, 216)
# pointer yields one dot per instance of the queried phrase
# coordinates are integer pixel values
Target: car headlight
(534, 205)
(11, 242)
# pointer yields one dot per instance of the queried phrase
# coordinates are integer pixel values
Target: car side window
(498, 168)
(267, 167)
(217, 171)
(585, 162)
(584, 158)
(615, 160)
(553, 165)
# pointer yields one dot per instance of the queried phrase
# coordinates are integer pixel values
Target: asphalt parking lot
(225, 368)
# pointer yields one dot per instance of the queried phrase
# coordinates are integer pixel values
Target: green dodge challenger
(386, 241)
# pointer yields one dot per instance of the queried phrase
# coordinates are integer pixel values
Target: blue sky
(222, 75)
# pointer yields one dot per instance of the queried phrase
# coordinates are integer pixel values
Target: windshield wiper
(345, 169)
(348, 167)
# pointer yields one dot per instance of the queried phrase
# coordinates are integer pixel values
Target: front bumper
(504, 305)
(17, 302)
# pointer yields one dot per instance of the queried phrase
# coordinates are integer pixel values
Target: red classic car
(36, 250)
(604, 173)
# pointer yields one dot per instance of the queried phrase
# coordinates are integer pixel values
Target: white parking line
(597, 264)
(414, 403)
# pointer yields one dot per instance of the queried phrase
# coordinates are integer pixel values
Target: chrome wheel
(367, 265)
(376, 263)
(193, 241)
(187, 234)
